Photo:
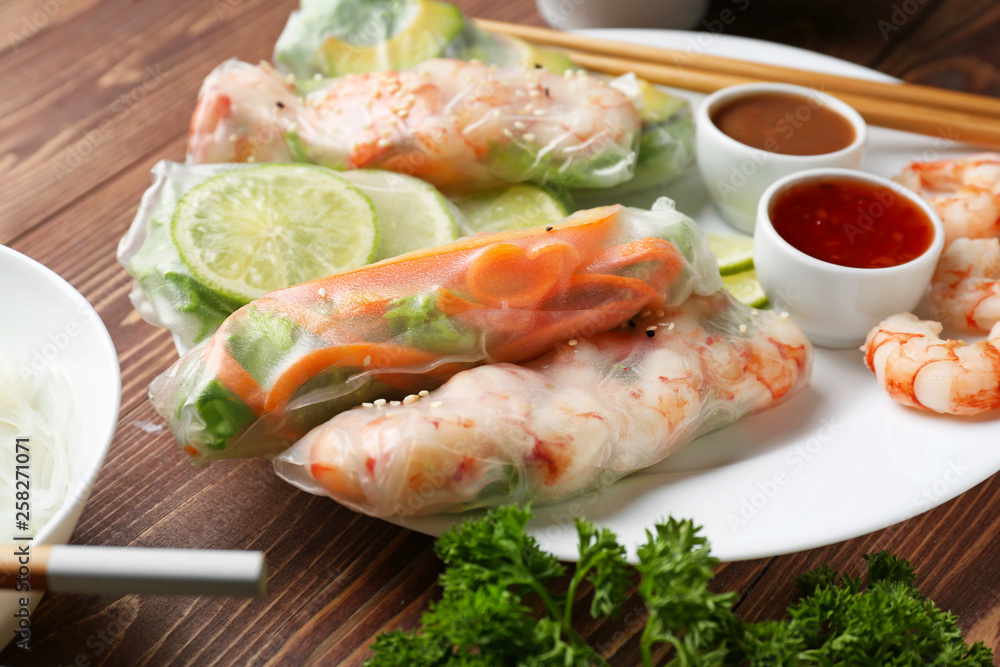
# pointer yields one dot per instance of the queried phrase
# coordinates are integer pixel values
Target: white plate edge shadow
(888, 462)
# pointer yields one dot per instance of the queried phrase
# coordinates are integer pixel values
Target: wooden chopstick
(949, 125)
(125, 570)
(924, 96)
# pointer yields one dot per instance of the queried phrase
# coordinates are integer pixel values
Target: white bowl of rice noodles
(60, 389)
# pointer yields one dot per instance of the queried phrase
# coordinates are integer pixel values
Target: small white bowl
(836, 306)
(47, 321)
(736, 174)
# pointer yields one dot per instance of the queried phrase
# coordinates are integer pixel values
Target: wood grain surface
(97, 91)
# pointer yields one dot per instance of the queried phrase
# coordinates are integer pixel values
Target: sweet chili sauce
(851, 223)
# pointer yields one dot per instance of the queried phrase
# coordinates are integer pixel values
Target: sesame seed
(518, 125)
(573, 342)
(670, 327)
(534, 93)
(251, 159)
(519, 93)
(528, 136)
(539, 112)
(402, 113)
(743, 328)
(660, 313)
(378, 402)
(645, 313)
(367, 361)
(386, 133)
(548, 229)
(233, 137)
(507, 133)
(651, 328)
(412, 398)
(317, 77)
(650, 333)
(394, 403)
(755, 312)
(384, 142)
(529, 106)
(496, 113)
(436, 404)
(290, 78)
(368, 405)
(783, 315)
(322, 292)
(423, 392)
(281, 105)
(568, 73)
(474, 61)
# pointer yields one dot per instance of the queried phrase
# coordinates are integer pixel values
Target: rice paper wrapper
(575, 420)
(290, 361)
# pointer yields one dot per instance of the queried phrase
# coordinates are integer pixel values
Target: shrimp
(966, 285)
(921, 370)
(460, 125)
(588, 413)
(964, 192)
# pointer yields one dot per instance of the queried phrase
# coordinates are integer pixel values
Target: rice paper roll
(333, 38)
(575, 420)
(462, 126)
(293, 359)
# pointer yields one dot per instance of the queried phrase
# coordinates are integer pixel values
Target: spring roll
(287, 362)
(332, 38)
(459, 125)
(581, 417)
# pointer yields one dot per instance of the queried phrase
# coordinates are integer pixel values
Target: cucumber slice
(734, 252)
(514, 207)
(412, 214)
(249, 231)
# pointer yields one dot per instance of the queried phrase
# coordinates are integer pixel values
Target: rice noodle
(43, 407)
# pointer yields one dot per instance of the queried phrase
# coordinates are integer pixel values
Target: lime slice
(412, 214)
(734, 252)
(744, 287)
(249, 231)
(514, 207)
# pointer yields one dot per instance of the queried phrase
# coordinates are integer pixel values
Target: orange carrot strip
(616, 258)
(233, 376)
(633, 296)
(505, 275)
(584, 230)
(450, 303)
(351, 355)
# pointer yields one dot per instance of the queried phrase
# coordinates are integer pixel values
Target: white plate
(46, 321)
(837, 460)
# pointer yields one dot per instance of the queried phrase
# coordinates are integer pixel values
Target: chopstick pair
(125, 570)
(951, 115)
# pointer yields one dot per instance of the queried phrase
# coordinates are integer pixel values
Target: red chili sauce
(782, 123)
(851, 223)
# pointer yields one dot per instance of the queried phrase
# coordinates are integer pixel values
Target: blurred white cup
(576, 14)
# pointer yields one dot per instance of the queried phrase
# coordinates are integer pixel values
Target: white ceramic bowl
(736, 175)
(47, 321)
(836, 306)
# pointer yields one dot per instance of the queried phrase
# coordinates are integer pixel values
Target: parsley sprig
(498, 578)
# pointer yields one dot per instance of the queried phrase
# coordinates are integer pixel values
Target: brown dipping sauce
(783, 123)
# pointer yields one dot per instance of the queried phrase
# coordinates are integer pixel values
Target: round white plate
(838, 460)
(46, 321)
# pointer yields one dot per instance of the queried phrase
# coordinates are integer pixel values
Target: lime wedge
(412, 214)
(249, 231)
(514, 207)
(744, 287)
(734, 252)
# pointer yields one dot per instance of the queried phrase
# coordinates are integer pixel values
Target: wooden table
(95, 92)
